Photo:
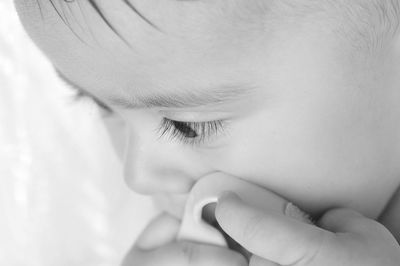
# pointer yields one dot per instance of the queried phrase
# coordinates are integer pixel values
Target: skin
(320, 126)
(342, 237)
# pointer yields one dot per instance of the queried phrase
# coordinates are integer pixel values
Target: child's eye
(193, 133)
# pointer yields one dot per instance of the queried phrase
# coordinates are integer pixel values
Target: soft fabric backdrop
(62, 197)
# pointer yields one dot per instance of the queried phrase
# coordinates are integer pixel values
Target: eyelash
(189, 133)
(192, 133)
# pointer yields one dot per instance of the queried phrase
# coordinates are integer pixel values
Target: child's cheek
(318, 156)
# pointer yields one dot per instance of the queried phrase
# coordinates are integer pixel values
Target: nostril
(208, 216)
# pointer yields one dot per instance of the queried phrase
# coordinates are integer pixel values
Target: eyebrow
(185, 99)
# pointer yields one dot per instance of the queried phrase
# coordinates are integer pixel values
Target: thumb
(161, 230)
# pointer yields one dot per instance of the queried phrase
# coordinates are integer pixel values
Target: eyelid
(196, 116)
(208, 129)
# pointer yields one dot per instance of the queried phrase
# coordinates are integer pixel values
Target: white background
(62, 198)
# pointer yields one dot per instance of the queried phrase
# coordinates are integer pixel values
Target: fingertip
(160, 231)
(228, 195)
(225, 204)
(341, 219)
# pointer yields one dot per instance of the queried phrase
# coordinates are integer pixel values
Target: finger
(160, 231)
(271, 235)
(257, 261)
(188, 253)
(343, 220)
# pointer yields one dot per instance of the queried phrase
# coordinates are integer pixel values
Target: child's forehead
(200, 23)
(148, 33)
(131, 20)
(110, 41)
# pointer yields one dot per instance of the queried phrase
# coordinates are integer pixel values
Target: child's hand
(344, 237)
(156, 246)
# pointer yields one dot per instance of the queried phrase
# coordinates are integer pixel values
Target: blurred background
(62, 196)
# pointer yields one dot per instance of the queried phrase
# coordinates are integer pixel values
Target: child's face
(306, 117)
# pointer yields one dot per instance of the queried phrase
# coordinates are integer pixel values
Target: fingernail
(294, 212)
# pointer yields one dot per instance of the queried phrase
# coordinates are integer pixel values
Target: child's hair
(367, 24)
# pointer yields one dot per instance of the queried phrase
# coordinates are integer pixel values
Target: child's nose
(151, 168)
